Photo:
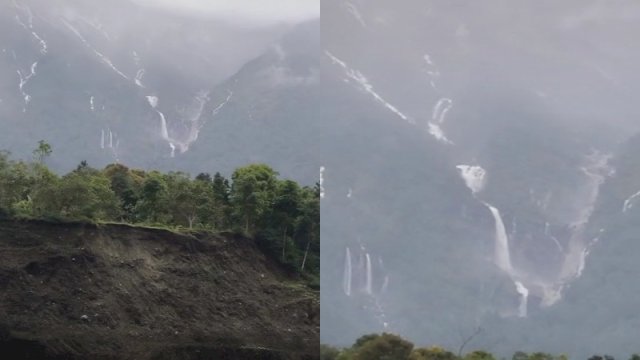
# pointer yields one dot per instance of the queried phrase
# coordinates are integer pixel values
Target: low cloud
(245, 12)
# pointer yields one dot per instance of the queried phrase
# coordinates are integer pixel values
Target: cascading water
(628, 203)
(501, 251)
(474, 177)
(321, 182)
(346, 281)
(358, 277)
(369, 279)
(577, 248)
(596, 171)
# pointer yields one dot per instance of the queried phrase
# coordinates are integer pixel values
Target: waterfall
(102, 139)
(346, 281)
(502, 257)
(524, 293)
(473, 176)
(321, 182)
(628, 204)
(369, 283)
(596, 171)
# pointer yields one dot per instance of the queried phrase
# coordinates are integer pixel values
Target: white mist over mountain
(537, 99)
(245, 12)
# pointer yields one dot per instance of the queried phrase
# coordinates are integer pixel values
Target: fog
(247, 13)
(539, 96)
(96, 64)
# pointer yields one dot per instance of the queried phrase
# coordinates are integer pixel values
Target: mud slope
(78, 291)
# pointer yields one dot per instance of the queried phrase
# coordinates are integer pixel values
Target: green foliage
(389, 346)
(284, 217)
(383, 347)
(252, 193)
(432, 353)
(479, 355)
(328, 352)
(42, 151)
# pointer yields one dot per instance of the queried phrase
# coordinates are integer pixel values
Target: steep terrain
(477, 147)
(120, 82)
(79, 291)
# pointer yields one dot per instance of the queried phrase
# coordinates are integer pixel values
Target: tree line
(392, 347)
(281, 215)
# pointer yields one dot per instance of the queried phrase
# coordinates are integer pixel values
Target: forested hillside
(282, 215)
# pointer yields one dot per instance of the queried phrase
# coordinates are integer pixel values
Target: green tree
(188, 201)
(221, 205)
(86, 195)
(383, 347)
(285, 210)
(126, 188)
(42, 151)
(152, 205)
(520, 355)
(16, 182)
(252, 192)
(432, 353)
(45, 201)
(328, 352)
(479, 355)
(307, 233)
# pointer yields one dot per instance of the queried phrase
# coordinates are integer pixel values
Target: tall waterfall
(501, 250)
(369, 279)
(346, 280)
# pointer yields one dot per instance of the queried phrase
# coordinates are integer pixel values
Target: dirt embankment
(78, 291)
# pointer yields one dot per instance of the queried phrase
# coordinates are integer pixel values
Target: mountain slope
(474, 175)
(154, 89)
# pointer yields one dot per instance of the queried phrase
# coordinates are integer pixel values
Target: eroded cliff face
(114, 291)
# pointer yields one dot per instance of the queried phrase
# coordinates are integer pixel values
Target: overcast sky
(246, 12)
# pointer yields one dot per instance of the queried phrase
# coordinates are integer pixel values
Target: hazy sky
(258, 12)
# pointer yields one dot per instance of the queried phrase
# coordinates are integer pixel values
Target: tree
(252, 193)
(383, 347)
(307, 232)
(153, 195)
(42, 151)
(221, 213)
(479, 355)
(285, 210)
(85, 195)
(328, 352)
(432, 353)
(16, 182)
(188, 200)
(126, 188)
(520, 355)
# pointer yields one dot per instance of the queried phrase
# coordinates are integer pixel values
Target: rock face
(83, 291)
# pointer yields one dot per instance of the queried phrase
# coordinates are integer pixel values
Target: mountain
(475, 148)
(122, 82)
(84, 291)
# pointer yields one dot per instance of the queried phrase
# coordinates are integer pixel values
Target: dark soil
(83, 291)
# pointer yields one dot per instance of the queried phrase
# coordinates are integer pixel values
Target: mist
(247, 13)
(485, 139)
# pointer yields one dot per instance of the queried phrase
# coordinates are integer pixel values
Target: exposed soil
(81, 291)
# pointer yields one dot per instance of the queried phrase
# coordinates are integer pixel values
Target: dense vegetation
(281, 215)
(392, 347)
